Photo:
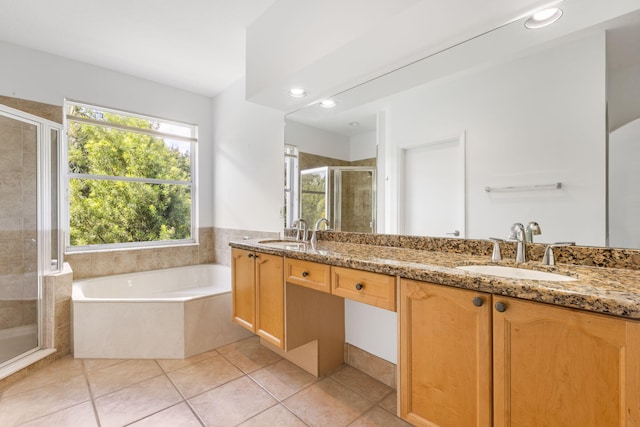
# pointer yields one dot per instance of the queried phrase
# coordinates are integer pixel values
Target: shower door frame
(44, 226)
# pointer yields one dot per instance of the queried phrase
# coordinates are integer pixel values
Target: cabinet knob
(305, 274)
(478, 302)
(251, 255)
(501, 307)
(359, 286)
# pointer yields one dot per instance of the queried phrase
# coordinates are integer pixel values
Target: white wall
(624, 176)
(623, 96)
(317, 141)
(333, 45)
(362, 146)
(534, 120)
(46, 78)
(248, 163)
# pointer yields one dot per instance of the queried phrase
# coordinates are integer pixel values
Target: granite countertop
(613, 291)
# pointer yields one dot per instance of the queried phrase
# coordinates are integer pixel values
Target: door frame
(402, 150)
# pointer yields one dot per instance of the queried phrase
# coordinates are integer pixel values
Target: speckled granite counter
(604, 290)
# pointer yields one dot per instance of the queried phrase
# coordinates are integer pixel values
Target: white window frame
(67, 176)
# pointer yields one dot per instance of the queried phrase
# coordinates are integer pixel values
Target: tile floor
(239, 384)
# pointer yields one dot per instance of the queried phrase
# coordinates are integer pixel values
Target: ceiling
(195, 45)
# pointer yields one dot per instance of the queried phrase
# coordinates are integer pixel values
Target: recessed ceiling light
(543, 18)
(298, 92)
(354, 124)
(328, 103)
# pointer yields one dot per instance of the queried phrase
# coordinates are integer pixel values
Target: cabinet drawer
(363, 286)
(309, 274)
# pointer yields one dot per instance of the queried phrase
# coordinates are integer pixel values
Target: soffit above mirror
(362, 102)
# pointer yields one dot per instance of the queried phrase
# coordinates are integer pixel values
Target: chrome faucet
(314, 237)
(301, 225)
(517, 233)
(533, 229)
(547, 258)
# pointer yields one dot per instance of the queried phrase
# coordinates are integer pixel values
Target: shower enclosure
(345, 195)
(29, 232)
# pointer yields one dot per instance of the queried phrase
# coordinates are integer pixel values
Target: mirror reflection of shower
(345, 195)
(29, 227)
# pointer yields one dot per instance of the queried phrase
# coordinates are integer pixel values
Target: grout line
(85, 373)
(184, 398)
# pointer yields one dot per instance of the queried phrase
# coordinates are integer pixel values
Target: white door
(432, 193)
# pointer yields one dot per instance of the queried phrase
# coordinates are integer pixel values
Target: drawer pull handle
(305, 274)
(251, 255)
(359, 286)
(501, 307)
(478, 302)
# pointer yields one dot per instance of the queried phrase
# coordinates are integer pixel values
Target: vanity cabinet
(445, 355)
(258, 294)
(473, 359)
(309, 274)
(365, 287)
(557, 366)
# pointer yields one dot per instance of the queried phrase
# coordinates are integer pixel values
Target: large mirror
(516, 125)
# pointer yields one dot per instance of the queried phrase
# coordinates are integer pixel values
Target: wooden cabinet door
(243, 288)
(445, 355)
(555, 366)
(270, 298)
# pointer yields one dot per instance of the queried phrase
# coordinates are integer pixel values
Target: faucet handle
(496, 255)
(548, 258)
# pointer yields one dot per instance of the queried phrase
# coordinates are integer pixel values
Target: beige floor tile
(41, 401)
(169, 365)
(249, 355)
(232, 403)
(328, 403)
(275, 416)
(64, 368)
(111, 378)
(177, 416)
(390, 403)
(94, 364)
(283, 379)
(197, 378)
(136, 402)
(80, 415)
(378, 417)
(361, 383)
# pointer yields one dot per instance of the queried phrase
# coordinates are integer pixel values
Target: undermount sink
(516, 273)
(291, 245)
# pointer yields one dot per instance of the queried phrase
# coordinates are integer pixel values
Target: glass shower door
(19, 275)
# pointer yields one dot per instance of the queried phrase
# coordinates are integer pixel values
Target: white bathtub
(172, 313)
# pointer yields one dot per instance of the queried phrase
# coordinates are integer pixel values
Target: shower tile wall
(18, 251)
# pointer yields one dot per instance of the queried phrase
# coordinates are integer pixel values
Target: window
(130, 178)
(290, 185)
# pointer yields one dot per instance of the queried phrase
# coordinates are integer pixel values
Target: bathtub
(171, 313)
